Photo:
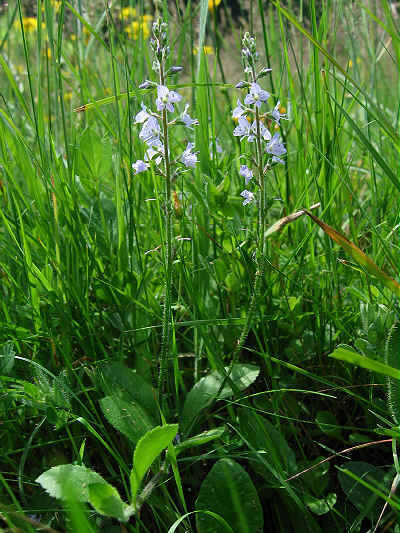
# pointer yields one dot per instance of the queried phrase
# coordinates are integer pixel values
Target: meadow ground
(198, 280)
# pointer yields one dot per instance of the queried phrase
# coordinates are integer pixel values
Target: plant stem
(166, 322)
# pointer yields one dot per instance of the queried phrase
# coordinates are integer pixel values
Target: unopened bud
(174, 70)
(242, 85)
(146, 84)
(263, 72)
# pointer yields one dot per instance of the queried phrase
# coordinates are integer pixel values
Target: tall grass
(82, 272)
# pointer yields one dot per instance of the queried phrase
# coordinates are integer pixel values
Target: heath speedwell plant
(155, 133)
(265, 151)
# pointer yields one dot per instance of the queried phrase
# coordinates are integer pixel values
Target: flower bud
(263, 72)
(174, 70)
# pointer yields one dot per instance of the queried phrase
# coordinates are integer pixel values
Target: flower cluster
(155, 124)
(251, 121)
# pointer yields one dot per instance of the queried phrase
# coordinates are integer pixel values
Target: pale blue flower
(256, 95)
(246, 173)
(166, 98)
(150, 133)
(218, 147)
(188, 121)
(142, 116)
(276, 148)
(242, 130)
(140, 166)
(189, 158)
(276, 115)
(248, 196)
(155, 153)
(264, 132)
(239, 110)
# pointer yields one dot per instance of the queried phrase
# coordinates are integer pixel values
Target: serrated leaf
(107, 501)
(206, 390)
(64, 481)
(148, 448)
(127, 417)
(229, 491)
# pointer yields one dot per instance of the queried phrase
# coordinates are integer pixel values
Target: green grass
(82, 271)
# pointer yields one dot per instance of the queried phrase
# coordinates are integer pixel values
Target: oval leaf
(106, 500)
(148, 448)
(206, 390)
(127, 417)
(229, 491)
(66, 481)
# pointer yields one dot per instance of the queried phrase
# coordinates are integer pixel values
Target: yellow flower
(207, 50)
(135, 28)
(68, 96)
(29, 24)
(212, 4)
(127, 12)
(147, 18)
(73, 37)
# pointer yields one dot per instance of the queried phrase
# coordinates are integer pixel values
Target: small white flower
(248, 196)
(139, 166)
(166, 98)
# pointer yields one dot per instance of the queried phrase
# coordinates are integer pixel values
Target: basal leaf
(229, 491)
(148, 448)
(207, 388)
(106, 500)
(127, 417)
(64, 481)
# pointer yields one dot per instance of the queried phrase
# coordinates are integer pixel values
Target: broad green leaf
(327, 422)
(364, 499)
(358, 255)
(64, 481)
(229, 491)
(199, 440)
(365, 362)
(106, 500)
(147, 450)
(277, 460)
(117, 376)
(127, 417)
(206, 390)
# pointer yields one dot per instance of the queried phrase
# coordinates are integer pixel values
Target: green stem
(166, 322)
(261, 246)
